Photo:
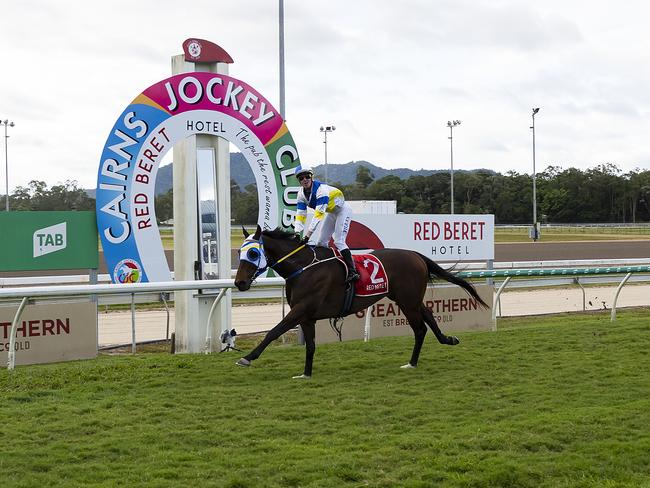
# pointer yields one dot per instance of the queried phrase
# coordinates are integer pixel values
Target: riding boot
(353, 275)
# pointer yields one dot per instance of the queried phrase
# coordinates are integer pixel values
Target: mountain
(345, 174)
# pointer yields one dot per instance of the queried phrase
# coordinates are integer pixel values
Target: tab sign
(50, 239)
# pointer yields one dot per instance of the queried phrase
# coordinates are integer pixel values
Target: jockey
(331, 209)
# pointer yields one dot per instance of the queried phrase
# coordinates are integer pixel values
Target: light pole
(281, 56)
(451, 124)
(10, 124)
(535, 236)
(325, 130)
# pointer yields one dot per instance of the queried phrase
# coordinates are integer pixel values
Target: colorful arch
(163, 114)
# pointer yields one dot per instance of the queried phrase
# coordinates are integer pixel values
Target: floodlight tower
(535, 233)
(6, 123)
(451, 124)
(325, 130)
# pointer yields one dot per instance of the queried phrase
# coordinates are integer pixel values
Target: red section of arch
(207, 52)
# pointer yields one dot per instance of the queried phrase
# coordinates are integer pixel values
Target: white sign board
(453, 309)
(50, 332)
(439, 237)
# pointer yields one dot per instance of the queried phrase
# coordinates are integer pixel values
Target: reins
(314, 261)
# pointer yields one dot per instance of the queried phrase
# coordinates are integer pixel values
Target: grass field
(568, 234)
(501, 234)
(557, 401)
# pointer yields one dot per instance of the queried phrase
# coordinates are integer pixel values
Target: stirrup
(353, 276)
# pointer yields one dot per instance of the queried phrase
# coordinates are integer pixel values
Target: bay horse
(315, 288)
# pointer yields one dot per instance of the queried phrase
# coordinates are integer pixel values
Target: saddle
(373, 281)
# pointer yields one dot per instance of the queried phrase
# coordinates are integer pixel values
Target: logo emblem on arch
(163, 114)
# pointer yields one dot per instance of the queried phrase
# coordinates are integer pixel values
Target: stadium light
(451, 124)
(535, 233)
(10, 124)
(325, 130)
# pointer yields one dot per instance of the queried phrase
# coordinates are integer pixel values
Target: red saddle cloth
(373, 279)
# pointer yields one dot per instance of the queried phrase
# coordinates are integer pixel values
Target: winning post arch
(198, 112)
(167, 112)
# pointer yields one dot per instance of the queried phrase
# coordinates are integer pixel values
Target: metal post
(325, 142)
(325, 130)
(576, 280)
(281, 15)
(535, 236)
(10, 124)
(164, 300)
(208, 329)
(11, 355)
(451, 124)
(366, 328)
(496, 301)
(133, 346)
(618, 292)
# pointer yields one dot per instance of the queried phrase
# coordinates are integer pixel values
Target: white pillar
(192, 309)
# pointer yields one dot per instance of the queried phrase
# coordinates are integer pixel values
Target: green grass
(572, 234)
(558, 401)
(501, 235)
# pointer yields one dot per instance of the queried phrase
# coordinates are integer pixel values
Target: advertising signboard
(453, 309)
(50, 332)
(48, 240)
(439, 237)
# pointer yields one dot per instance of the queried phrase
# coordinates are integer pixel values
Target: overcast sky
(387, 74)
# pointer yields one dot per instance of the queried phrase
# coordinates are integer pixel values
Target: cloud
(387, 74)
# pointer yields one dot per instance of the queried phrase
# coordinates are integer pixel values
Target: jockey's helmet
(303, 170)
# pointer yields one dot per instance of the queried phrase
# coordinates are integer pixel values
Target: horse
(315, 288)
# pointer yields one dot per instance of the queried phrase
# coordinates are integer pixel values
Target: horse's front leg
(292, 319)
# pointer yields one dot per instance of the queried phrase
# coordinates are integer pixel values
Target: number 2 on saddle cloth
(373, 279)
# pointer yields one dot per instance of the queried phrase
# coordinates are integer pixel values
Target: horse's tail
(437, 271)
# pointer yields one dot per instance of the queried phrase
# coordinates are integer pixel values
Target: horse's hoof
(301, 377)
(453, 340)
(243, 362)
(407, 366)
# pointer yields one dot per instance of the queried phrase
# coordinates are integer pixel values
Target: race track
(525, 251)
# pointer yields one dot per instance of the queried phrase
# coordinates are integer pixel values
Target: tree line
(599, 195)
(37, 196)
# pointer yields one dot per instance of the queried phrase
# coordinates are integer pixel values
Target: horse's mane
(279, 233)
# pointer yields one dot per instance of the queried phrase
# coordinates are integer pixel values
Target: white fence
(31, 292)
(271, 287)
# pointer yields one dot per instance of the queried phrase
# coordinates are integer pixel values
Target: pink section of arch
(247, 105)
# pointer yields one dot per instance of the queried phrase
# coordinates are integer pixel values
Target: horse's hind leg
(431, 322)
(419, 331)
(309, 333)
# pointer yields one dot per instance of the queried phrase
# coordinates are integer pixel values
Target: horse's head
(252, 260)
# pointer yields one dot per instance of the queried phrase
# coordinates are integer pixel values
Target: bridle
(252, 251)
